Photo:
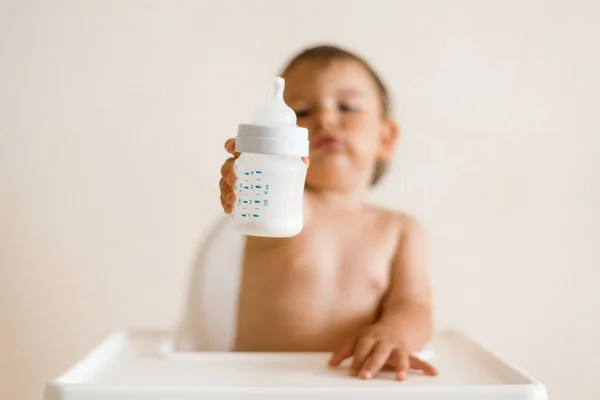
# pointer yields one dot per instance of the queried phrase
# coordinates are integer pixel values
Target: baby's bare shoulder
(402, 221)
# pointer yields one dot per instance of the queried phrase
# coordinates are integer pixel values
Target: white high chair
(209, 319)
(195, 361)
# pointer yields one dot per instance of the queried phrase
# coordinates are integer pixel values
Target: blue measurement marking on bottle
(246, 173)
(244, 215)
(258, 186)
(245, 201)
(266, 202)
(255, 215)
(257, 201)
(259, 172)
(246, 187)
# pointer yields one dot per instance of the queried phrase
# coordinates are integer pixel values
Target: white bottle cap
(273, 128)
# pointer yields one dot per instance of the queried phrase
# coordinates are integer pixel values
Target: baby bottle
(270, 173)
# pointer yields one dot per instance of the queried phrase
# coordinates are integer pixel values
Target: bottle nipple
(274, 112)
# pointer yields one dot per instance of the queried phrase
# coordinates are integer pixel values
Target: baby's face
(339, 103)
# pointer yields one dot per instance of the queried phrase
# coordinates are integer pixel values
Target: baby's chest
(345, 265)
(319, 264)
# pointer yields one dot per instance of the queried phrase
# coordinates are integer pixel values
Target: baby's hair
(329, 53)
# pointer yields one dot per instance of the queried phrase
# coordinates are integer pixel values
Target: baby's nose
(325, 118)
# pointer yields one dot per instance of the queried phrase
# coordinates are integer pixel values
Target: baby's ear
(390, 132)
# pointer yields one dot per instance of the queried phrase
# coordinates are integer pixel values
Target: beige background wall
(113, 115)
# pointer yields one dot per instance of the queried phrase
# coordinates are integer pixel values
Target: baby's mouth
(326, 143)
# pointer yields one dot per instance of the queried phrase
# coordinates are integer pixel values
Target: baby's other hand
(376, 347)
(228, 178)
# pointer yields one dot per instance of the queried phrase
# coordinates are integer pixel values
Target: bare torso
(308, 292)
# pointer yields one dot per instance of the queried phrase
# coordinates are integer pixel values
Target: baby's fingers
(230, 147)
(377, 359)
(401, 363)
(228, 178)
(343, 352)
(227, 193)
(418, 364)
(228, 171)
(363, 349)
(226, 207)
(227, 197)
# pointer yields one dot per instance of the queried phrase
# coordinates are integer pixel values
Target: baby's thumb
(230, 147)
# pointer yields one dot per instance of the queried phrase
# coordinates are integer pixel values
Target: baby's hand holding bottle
(228, 178)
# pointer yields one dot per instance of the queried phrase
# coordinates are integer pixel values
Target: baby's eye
(347, 108)
(302, 113)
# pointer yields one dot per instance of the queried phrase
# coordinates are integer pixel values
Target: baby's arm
(407, 305)
(405, 324)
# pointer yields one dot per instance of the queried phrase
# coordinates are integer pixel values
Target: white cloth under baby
(210, 314)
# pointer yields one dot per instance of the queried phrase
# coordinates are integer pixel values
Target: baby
(355, 280)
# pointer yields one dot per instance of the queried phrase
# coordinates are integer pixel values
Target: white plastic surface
(215, 279)
(289, 140)
(140, 365)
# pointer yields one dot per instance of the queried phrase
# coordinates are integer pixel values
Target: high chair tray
(140, 365)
